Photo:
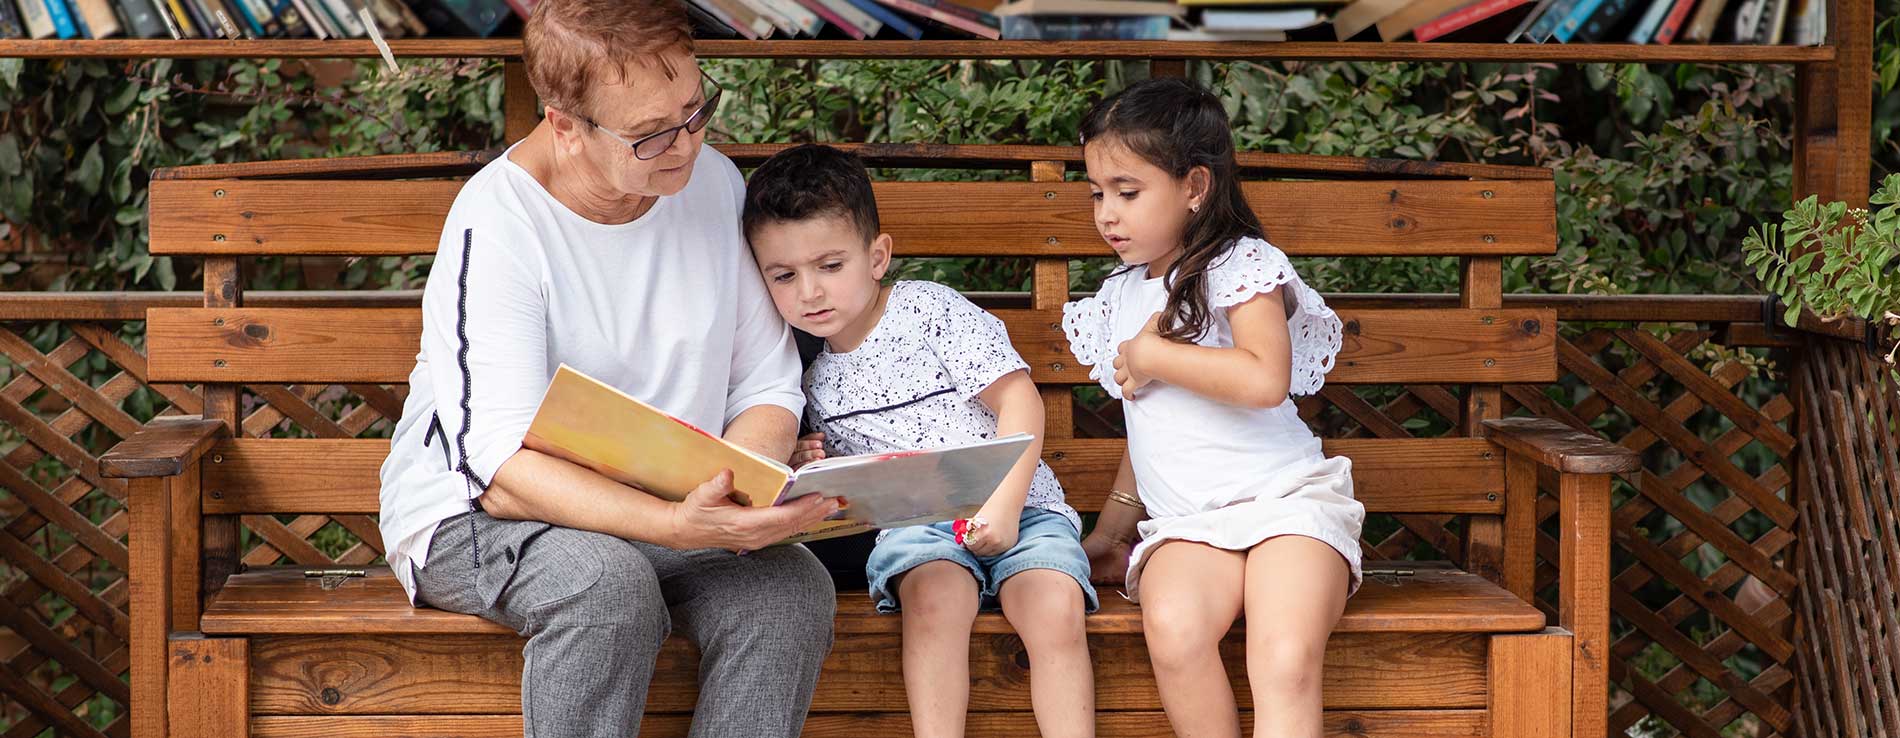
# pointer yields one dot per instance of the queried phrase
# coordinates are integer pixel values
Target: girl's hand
(1131, 357)
(997, 535)
(1108, 558)
(809, 448)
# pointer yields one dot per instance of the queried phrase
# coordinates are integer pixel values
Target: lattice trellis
(1702, 588)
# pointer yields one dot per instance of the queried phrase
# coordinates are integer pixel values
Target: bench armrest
(1561, 447)
(163, 448)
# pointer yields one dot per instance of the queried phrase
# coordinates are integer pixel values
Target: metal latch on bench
(1389, 577)
(330, 579)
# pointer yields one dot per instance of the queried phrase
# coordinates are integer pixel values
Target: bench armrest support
(1584, 463)
(162, 448)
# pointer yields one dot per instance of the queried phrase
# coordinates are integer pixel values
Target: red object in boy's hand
(962, 528)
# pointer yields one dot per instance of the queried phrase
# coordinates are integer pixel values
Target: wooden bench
(222, 651)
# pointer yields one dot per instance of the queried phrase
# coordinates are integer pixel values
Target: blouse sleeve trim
(1087, 322)
(1255, 267)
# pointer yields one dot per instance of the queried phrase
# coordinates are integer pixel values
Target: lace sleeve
(1087, 324)
(1256, 267)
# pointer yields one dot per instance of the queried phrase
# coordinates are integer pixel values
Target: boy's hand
(1108, 559)
(809, 448)
(1131, 358)
(997, 535)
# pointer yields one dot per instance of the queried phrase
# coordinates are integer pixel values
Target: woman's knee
(618, 587)
(1178, 633)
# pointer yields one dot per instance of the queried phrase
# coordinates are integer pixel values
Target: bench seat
(1436, 598)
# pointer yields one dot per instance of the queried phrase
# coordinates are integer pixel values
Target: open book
(590, 423)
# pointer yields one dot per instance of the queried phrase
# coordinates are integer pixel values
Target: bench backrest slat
(1328, 218)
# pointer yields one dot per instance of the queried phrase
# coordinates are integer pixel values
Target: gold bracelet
(1126, 499)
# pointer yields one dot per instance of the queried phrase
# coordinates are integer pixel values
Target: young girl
(1204, 334)
(915, 365)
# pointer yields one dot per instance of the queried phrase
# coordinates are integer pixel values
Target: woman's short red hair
(572, 47)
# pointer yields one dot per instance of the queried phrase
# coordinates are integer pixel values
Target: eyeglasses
(651, 146)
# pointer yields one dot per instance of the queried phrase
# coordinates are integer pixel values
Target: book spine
(831, 16)
(291, 16)
(852, 15)
(1573, 21)
(1463, 17)
(763, 9)
(749, 22)
(889, 18)
(1546, 25)
(97, 18)
(141, 19)
(963, 11)
(1672, 23)
(724, 15)
(1599, 24)
(1702, 25)
(345, 20)
(11, 24)
(803, 19)
(522, 9)
(39, 23)
(1777, 22)
(312, 20)
(952, 20)
(1747, 16)
(1645, 30)
(205, 25)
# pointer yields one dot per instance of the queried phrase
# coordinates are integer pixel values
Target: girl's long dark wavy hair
(1177, 125)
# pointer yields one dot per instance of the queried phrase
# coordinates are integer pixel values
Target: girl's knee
(1285, 662)
(1177, 637)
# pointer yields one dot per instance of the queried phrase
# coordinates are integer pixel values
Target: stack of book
(1800, 22)
(852, 19)
(1251, 20)
(250, 19)
(1071, 20)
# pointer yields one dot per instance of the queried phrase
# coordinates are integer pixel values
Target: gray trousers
(595, 609)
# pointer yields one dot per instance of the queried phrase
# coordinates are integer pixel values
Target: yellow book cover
(590, 423)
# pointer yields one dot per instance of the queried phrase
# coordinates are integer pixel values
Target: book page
(913, 487)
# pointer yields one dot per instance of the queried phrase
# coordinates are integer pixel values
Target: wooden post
(1583, 596)
(1048, 292)
(1520, 527)
(224, 288)
(1834, 110)
(521, 110)
(1482, 286)
(150, 582)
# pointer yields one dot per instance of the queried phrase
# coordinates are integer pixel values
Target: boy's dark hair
(1178, 125)
(810, 181)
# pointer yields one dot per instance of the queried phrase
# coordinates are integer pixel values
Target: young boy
(915, 365)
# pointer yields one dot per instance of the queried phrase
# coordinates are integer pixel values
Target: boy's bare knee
(938, 591)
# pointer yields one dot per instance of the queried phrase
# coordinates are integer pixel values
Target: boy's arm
(768, 430)
(1256, 372)
(1018, 409)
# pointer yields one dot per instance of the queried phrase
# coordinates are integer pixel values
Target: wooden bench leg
(210, 687)
(149, 546)
(1530, 685)
(1583, 598)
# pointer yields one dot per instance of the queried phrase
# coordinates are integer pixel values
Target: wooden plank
(150, 580)
(521, 110)
(506, 48)
(1583, 596)
(1530, 685)
(1119, 724)
(379, 346)
(280, 600)
(382, 675)
(187, 538)
(392, 218)
(875, 155)
(277, 475)
(210, 687)
(1736, 311)
(218, 534)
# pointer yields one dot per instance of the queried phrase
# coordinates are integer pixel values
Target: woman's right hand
(810, 448)
(710, 518)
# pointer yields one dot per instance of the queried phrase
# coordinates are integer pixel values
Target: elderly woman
(609, 240)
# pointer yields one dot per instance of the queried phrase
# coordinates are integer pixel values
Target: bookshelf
(510, 49)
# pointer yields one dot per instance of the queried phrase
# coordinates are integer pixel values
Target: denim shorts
(1045, 540)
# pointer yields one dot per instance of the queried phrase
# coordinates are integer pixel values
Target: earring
(1194, 208)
